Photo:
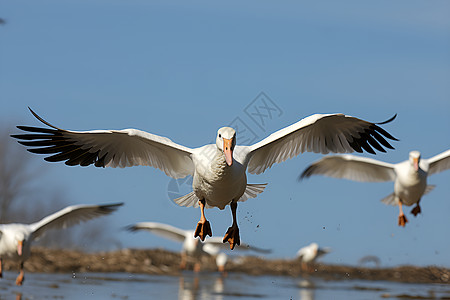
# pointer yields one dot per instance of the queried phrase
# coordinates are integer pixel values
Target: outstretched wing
(320, 133)
(108, 148)
(163, 230)
(72, 215)
(215, 244)
(351, 167)
(439, 163)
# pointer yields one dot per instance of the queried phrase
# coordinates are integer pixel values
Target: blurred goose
(191, 246)
(310, 254)
(218, 170)
(16, 239)
(221, 261)
(410, 176)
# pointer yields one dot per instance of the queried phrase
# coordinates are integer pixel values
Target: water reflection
(200, 286)
(188, 288)
(306, 289)
(210, 285)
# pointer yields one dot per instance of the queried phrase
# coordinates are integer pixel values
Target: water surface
(207, 286)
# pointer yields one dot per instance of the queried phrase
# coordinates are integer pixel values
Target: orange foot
(202, 230)
(402, 220)
(416, 210)
(20, 279)
(232, 237)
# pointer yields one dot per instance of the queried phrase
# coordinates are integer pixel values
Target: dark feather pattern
(308, 172)
(373, 137)
(52, 141)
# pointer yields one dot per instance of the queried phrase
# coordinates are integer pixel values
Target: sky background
(183, 69)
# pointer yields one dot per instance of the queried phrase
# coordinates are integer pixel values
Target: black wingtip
(301, 177)
(131, 228)
(260, 250)
(388, 121)
(385, 133)
(42, 120)
(109, 208)
(306, 173)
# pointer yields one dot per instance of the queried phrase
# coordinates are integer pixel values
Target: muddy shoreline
(159, 261)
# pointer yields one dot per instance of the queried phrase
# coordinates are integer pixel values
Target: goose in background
(191, 246)
(410, 176)
(16, 238)
(309, 254)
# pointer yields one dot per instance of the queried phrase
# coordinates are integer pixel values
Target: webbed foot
(402, 220)
(232, 237)
(203, 229)
(416, 210)
(20, 279)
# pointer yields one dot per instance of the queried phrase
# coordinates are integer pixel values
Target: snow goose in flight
(410, 176)
(218, 170)
(191, 246)
(16, 238)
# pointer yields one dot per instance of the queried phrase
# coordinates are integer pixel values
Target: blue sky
(183, 69)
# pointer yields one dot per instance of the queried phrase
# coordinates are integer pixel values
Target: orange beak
(416, 164)
(227, 143)
(19, 248)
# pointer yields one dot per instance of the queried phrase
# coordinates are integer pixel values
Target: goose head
(414, 159)
(314, 248)
(225, 141)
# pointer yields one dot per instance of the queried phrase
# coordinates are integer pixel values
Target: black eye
(220, 135)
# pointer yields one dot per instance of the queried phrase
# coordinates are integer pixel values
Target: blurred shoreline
(163, 262)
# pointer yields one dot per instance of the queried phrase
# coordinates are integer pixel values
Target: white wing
(108, 148)
(72, 215)
(320, 133)
(163, 230)
(351, 167)
(439, 163)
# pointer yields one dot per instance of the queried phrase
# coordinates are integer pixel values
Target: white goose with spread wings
(16, 238)
(218, 170)
(191, 246)
(410, 176)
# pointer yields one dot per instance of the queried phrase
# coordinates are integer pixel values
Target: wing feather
(214, 244)
(351, 167)
(72, 215)
(162, 230)
(108, 148)
(439, 163)
(319, 133)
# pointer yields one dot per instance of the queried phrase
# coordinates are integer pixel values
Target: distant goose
(221, 261)
(310, 254)
(191, 246)
(410, 176)
(218, 170)
(16, 238)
